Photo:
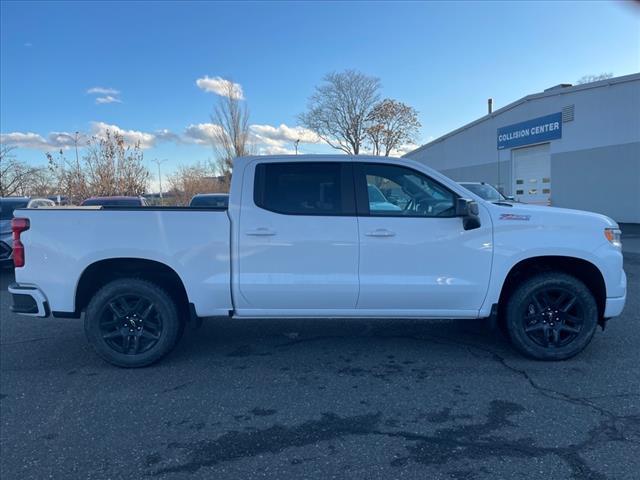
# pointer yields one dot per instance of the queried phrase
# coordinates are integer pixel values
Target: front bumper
(614, 305)
(28, 300)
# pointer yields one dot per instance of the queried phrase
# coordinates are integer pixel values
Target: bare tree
(391, 124)
(70, 179)
(42, 183)
(188, 181)
(231, 135)
(594, 78)
(14, 174)
(108, 167)
(339, 108)
(19, 178)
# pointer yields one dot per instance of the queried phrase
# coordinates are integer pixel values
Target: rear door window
(305, 188)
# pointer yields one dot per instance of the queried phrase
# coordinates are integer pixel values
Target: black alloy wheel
(553, 317)
(131, 324)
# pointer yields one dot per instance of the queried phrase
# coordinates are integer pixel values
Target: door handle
(260, 232)
(380, 232)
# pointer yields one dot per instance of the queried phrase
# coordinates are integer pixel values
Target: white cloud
(102, 91)
(220, 86)
(53, 141)
(201, 133)
(283, 133)
(280, 140)
(131, 137)
(165, 135)
(105, 95)
(267, 139)
(20, 139)
(66, 140)
(404, 149)
(276, 150)
(108, 99)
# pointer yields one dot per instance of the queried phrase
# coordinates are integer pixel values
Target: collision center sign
(538, 130)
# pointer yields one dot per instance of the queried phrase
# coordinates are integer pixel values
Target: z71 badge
(514, 216)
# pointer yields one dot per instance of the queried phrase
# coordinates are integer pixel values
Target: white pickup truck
(321, 236)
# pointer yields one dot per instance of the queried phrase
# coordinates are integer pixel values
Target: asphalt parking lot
(322, 399)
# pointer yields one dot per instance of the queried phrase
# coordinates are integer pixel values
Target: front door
(416, 259)
(298, 239)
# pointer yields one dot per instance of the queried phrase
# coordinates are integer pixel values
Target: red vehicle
(115, 202)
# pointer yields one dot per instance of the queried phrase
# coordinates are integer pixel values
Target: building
(569, 146)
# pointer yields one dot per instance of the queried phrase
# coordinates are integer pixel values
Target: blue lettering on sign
(537, 130)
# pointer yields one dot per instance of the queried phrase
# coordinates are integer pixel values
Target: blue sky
(445, 59)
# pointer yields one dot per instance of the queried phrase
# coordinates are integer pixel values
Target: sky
(151, 70)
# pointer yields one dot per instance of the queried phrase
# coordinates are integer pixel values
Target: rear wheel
(551, 316)
(132, 323)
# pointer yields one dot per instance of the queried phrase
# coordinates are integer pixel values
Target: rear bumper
(28, 300)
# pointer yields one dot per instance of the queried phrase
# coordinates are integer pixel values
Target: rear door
(298, 239)
(416, 259)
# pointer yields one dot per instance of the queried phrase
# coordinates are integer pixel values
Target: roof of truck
(314, 157)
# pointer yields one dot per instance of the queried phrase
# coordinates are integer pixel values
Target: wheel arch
(579, 268)
(101, 272)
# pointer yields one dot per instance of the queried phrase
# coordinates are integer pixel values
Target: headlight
(614, 236)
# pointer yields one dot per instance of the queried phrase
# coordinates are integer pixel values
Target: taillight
(18, 225)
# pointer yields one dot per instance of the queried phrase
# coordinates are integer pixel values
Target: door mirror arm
(469, 211)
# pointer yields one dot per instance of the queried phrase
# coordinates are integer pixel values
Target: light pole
(159, 162)
(296, 145)
(76, 144)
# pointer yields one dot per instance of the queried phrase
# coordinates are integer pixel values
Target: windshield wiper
(503, 203)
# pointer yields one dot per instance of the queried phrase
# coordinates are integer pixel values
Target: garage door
(532, 174)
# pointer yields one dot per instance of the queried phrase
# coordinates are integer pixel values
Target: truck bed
(194, 242)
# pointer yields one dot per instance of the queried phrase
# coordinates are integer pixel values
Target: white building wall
(606, 114)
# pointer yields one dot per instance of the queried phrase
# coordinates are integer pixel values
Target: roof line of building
(534, 96)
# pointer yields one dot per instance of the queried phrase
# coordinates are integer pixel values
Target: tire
(551, 316)
(132, 323)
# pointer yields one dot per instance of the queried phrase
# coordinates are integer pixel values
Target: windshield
(485, 191)
(8, 205)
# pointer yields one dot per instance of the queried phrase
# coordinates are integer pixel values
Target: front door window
(399, 191)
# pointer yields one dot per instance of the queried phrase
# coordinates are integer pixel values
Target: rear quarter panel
(61, 244)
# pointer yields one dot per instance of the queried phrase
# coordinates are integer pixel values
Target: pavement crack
(235, 445)
(471, 442)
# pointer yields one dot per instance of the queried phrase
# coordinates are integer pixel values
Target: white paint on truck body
(258, 263)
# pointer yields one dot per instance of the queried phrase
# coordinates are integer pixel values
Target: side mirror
(511, 198)
(469, 211)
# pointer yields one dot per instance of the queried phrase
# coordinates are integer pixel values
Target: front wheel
(551, 316)
(132, 323)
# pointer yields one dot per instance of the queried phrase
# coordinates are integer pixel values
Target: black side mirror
(469, 211)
